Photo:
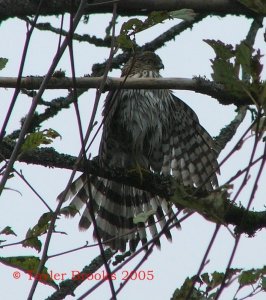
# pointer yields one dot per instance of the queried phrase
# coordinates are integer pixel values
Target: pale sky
(186, 57)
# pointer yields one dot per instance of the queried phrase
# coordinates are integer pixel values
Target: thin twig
(33, 189)
(57, 57)
(171, 33)
(89, 204)
(19, 78)
(204, 259)
(98, 42)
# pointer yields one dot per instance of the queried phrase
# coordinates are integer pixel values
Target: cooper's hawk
(143, 129)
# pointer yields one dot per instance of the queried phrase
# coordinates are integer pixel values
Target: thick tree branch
(198, 85)
(157, 43)
(229, 131)
(23, 8)
(218, 208)
(48, 157)
(215, 206)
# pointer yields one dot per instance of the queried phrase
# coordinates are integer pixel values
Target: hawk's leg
(139, 170)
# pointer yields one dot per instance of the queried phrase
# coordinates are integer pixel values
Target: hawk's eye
(149, 61)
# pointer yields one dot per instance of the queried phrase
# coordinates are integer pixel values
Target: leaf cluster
(29, 265)
(3, 62)
(135, 25)
(232, 64)
(33, 234)
(35, 139)
(206, 286)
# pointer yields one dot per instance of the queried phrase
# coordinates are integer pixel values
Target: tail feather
(153, 231)
(142, 233)
(161, 218)
(75, 187)
(114, 207)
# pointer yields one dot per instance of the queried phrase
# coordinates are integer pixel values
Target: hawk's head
(142, 61)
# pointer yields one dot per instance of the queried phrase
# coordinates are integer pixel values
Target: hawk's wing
(188, 154)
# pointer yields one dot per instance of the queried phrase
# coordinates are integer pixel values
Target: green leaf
(224, 51)
(261, 127)
(135, 25)
(143, 217)
(263, 283)
(230, 63)
(253, 276)
(217, 278)
(259, 6)
(224, 71)
(51, 133)
(205, 278)
(181, 294)
(59, 73)
(3, 62)
(156, 17)
(124, 41)
(7, 231)
(39, 229)
(243, 57)
(32, 242)
(29, 265)
(262, 97)
(69, 211)
(35, 139)
(184, 14)
(43, 222)
(256, 66)
(249, 277)
(207, 283)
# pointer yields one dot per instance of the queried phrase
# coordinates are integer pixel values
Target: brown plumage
(143, 129)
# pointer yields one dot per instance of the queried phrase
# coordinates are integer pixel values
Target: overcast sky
(186, 57)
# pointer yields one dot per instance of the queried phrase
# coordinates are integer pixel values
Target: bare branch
(25, 126)
(198, 85)
(106, 42)
(23, 8)
(171, 33)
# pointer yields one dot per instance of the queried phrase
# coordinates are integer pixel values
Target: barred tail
(115, 206)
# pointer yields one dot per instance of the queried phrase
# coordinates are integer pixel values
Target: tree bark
(198, 85)
(23, 8)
